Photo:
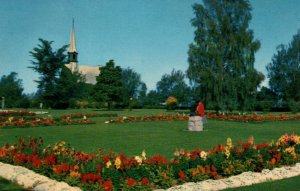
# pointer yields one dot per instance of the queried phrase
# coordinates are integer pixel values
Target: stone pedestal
(195, 123)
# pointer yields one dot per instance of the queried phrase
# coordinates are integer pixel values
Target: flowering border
(106, 170)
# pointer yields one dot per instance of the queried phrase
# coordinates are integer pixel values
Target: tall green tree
(221, 60)
(173, 85)
(11, 89)
(133, 87)
(109, 85)
(69, 88)
(48, 64)
(284, 71)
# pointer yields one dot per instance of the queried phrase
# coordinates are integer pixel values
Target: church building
(89, 72)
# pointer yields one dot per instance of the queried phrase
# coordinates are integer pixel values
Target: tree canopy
(173, 85)
(284, 71)
(221, 59)
(11, 89)
(48, 64)
(133, 87)
(109, 85)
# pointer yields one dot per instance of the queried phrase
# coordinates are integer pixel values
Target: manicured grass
(5, 185)
(162, 137)
(284, 184)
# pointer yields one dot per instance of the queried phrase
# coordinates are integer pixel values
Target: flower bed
(251, 118)
(81, 115)
(210, 115)
(161, 117)
(106, 170)
(16, 113)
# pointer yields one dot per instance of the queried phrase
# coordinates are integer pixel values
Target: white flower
(144, 154)
(124, 117)
(106, 121)
(203, 155)
(138, 159)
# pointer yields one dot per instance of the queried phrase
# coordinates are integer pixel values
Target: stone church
(89, 72)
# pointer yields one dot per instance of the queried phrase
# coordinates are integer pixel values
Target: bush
(81, 104)
(264, 106)
(171, 103)
(294, 106)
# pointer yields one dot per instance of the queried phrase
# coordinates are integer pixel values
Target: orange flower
(273, 161)
(195, 172)
(251, 140)
(74, 174)
(182, 175)
(202, 169)
(164, 175)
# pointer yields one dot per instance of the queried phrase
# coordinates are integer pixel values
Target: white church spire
(72, 47)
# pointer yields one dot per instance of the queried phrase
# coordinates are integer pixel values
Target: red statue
(200, 109)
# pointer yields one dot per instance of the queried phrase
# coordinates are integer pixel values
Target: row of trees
(220, 70)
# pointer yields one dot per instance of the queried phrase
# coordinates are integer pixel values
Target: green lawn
(279, 185)
(162, 137)
(8, 186)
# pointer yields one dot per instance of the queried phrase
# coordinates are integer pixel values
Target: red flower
(145, 181)
(131, 182)
(195, 153)
(90, 177)
(99, 168)
(107, 185)
(182, 175)
(213, 170)
(245, 145)
(157, 159)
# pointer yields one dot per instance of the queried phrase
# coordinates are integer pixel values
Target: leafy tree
(153, 99)
(109, 84)
(69, 88)
(173, 85)
(284, 71)
(265, 99)
(133, 87)
(48, 64)
(221, 60)
(11, 89)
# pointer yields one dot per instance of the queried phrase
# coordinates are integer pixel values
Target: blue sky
(149, 36)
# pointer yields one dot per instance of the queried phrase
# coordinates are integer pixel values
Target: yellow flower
(227, 152)
(290, 150)
(229, 142)
(108, 164)
(117, 162)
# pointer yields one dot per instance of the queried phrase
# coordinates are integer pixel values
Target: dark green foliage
(284, 71)
(69, 88)
(11, 89)
(133, 87)
(222, 57)
(173, 85)
(153, 99)
(48, 64)
(265, 99)
(109, 85)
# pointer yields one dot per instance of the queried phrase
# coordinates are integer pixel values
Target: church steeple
(72, 52)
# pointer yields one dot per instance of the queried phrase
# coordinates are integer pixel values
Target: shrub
(171, 103)
(294, 106)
